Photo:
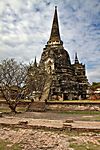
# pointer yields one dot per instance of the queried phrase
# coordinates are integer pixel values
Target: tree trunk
(13, 108)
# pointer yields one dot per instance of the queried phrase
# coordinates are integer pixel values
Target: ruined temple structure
(55, 78)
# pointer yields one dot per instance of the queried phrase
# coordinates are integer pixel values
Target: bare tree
(12, 81)
(35, 81)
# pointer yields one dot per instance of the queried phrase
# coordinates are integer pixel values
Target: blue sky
(25, 27)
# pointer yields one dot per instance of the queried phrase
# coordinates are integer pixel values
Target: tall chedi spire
(55, 34)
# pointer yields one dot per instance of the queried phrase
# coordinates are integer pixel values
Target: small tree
(12, 81)
(35, 81)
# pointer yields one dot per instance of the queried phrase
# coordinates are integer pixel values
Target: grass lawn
(74, 101)
(85, 112)
(85, 146)
(4, 145)
(7, 109)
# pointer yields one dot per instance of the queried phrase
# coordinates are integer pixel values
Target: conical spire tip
(55, 39)
(55, 7)
(35, 62)
(76, 59)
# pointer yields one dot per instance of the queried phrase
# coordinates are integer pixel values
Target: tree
(95, 85)
(12, 81)
(35, 81)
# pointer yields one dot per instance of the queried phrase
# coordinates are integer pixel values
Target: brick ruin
(55, 78)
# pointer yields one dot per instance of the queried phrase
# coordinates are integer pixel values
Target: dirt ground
(29, 139)
(58, 116)
(12, 138)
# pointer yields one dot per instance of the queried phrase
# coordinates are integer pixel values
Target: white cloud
(94, 73)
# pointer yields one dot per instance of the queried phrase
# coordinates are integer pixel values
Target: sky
(25, 27)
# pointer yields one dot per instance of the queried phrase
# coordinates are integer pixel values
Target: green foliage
(95, 84)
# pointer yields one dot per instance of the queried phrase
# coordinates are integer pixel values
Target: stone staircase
(46, 89)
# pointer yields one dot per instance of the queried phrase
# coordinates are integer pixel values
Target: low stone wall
(72, 106)
(54, 106)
